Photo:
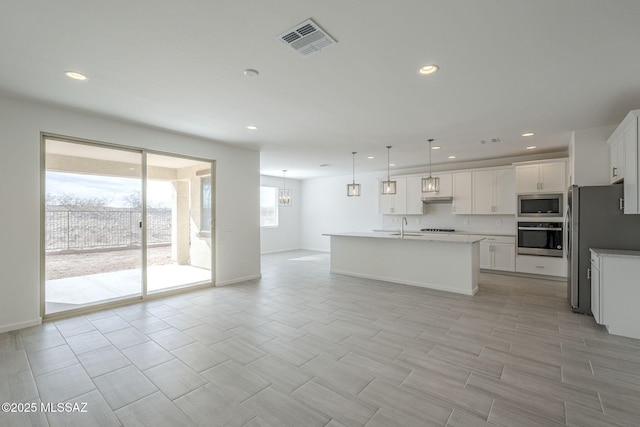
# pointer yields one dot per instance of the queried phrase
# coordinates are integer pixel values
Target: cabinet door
(505, 193)
(527, 178)
(630, 145)
(615, 158)
(504, 256)
(414, 194)
(386, 202)
(393, 204)
(595, 293)
(462, 193)
(485, 255)
(553, 177)
(484, 192)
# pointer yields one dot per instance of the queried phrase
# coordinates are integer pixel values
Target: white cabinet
(616, 158)
(544, 265)
(594, 275)
(393, 204)
(624, 160)
(498, 253)
(462, 193)
(494, 192)
(414, 196)
(615, 294)
(631, 161)
(446, 189)
(541, 177)
(406, 201)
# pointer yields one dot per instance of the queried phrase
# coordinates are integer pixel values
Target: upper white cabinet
(541, 177)
(414, 194)
(616, 159)
(494, 192)
(393, 204)
(624, 160)
(462, 193)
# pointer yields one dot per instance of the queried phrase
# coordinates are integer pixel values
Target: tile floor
(303, 347)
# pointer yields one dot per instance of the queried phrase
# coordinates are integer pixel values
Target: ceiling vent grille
(307, 38)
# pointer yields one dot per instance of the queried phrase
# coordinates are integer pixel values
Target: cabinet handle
(588, 273)
(615, 172)
(621, 204)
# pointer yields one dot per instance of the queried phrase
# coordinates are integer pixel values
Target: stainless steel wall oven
(540, 238)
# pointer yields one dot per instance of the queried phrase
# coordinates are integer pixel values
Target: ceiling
(506, 67)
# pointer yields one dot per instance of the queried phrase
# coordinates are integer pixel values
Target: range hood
(443, 199)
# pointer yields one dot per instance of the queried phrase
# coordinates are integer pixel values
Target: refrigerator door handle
(621, 203)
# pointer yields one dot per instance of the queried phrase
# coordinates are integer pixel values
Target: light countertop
(424, 236)
(461, 233)
(616, 253)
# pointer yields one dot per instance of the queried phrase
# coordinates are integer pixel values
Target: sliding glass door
(92, 225)
(98, 223)
(179, 218)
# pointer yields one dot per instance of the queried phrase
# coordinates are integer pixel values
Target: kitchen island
(447, 262)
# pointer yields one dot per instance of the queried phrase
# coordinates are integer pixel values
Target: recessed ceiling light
(428, 69)
(436, 147)
(251, 73)
(252, 127)
(76, 76)
(528, 134)
(370, 157)
(392, 164)
(451, 157)
(531, 147)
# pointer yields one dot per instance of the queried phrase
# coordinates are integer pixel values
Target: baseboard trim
(277, 251)
(238, 280)
(20, 325)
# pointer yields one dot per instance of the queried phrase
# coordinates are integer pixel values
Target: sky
(113, 189)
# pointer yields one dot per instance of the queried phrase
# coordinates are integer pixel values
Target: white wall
(589, 156)
(326, 208)
(237, 186)
(286, 236)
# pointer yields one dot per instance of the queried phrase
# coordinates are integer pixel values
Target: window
(268, 206)
(205, 204)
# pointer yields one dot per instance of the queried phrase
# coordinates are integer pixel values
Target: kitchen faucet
(402, 224)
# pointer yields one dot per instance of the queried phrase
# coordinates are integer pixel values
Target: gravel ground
(59, 266)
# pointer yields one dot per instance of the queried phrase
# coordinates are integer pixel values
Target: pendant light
(353, 189)
(430, 184)
(388, 186)
(284, 195)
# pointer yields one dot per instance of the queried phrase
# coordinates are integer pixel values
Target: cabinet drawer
(548, 266)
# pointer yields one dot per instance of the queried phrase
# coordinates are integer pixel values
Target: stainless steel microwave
(540, 205)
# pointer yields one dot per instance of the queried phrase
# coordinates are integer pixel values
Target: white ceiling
(506, 67)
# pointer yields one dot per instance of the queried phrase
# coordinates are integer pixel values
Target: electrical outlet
(498, 222)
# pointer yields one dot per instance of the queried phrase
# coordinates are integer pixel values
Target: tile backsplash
(439, 216)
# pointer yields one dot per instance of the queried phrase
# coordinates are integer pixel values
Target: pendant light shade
(430, 184)
(388, 186)
(284, 195)
(353, 189)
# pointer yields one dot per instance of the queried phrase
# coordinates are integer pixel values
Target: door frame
(143, 286)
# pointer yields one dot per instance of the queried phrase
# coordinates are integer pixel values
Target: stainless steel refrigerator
(594, 220)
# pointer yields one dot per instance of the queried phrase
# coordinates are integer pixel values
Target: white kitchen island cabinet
(444, 262)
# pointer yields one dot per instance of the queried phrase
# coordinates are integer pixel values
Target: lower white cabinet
(498, 253)
(615, 294)
(544, 265)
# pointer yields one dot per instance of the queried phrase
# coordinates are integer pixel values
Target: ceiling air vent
(307, 38)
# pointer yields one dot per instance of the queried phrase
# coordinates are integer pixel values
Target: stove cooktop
(442, 230)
